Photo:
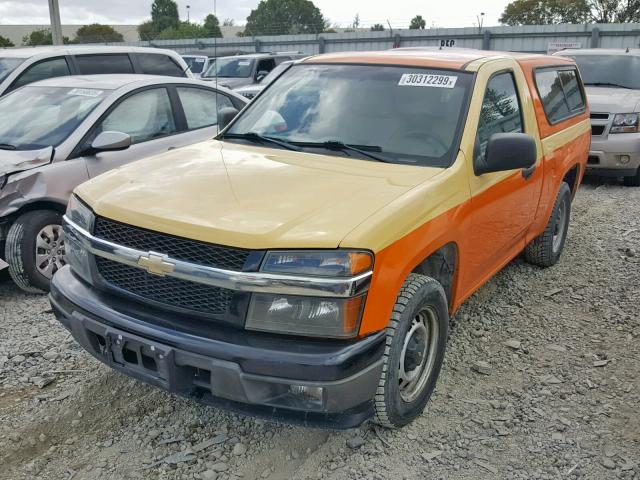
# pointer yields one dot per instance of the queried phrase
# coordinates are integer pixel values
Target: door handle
(527, 172)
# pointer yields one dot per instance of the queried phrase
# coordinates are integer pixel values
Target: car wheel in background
(35, 249)
(546, 249)
(415, 345)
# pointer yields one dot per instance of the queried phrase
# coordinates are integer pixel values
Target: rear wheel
(633, 181)
(34, 249)
(415, 347)
(546, 249)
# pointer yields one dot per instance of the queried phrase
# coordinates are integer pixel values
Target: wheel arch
(572, 178)
(442, 266)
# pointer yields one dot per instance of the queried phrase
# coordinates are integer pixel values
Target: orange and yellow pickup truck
(305, 263)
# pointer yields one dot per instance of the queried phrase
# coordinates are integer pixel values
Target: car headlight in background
(625, 123)
(75, 254)
(327, 317)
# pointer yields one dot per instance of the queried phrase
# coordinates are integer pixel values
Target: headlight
(625, 123)
(318, 263)
(76, 255)
(79, 213)
(310, 316)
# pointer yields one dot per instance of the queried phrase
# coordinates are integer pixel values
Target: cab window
(501, 112)
(55, 67)
(201, 106)
(560, 92)
(144, 116)
(266, 65)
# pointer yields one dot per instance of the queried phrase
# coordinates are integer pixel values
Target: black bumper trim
(213, 371)
(611, 172)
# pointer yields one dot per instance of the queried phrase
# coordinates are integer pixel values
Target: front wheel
(414, 351)
(546, 249)
(35, 249)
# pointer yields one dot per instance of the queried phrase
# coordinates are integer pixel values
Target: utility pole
(56, 28)
(480, 19)
(188, 10)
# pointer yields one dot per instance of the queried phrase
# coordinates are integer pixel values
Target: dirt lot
(560, 399)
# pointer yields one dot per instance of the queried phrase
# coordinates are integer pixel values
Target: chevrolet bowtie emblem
(156, 264)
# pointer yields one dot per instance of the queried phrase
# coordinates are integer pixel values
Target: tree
(356, 21)
(378, 27)
(97, 33)
(5, 42)
(164, 14)
(417, 23)
(538, 12)
(212, 26)
(147, 30)
(283, 17)
(40, 37)
(229, 22)
(183, 30)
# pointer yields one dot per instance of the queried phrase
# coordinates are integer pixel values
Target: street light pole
(188, 17)
(56, 28)
(480, 19)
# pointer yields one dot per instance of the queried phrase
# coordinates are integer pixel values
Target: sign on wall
(554, 47)
(448, 43)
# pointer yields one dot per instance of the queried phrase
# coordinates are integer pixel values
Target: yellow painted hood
(251, 197)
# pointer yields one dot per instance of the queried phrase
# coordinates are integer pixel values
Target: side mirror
(507, 151)
(110, 142)
(260, 75)
(225, 115)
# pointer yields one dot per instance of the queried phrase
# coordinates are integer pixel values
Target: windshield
(8, 65)
(404, 114)
(37, 117)
(231, 67)
(609, 70)
(196, 64)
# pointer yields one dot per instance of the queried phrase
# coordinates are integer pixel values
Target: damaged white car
(60, 132)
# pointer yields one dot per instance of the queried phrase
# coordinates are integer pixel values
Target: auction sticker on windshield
(85, 92)
(427, 80)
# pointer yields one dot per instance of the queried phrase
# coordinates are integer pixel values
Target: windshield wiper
(607, 84)
(7, 146)
(365, 150)
(256, 137)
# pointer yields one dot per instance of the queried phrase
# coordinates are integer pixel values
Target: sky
(451, 13)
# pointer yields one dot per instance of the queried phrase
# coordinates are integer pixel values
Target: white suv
(20, 66)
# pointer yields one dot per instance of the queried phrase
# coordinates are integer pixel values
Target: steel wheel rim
(49, 250)
(558, 230)
(418, 355)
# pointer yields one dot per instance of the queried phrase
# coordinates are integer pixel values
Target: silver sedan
(60, 132)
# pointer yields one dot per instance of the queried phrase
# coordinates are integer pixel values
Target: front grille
(599, 116)
(174, 292)
(592, 160)
(177, 248)
(597, 130)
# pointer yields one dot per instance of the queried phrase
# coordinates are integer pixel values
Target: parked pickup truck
(304, 265)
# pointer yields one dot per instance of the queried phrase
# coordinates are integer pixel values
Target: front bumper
(238, 370)
(615, 155)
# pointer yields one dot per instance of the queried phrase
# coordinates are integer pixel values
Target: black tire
(419, 294)
(20, 249)
(543, 251)
(633, 181)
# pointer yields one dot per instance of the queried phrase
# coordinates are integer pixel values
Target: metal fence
(530, 38)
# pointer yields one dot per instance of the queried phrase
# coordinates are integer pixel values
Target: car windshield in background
(37, 117)
(393, 114)
(196, 64)
(8, 65)
(231, 68)
(609, 70)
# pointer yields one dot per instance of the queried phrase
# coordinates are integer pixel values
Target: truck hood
(250, 197)
(12, 161)
(231, 82)
(613, 100)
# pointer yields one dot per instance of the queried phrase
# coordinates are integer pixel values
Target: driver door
(147, 116)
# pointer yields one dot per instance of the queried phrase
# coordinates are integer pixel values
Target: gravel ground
(558, 397)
